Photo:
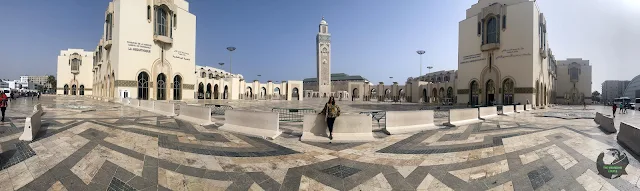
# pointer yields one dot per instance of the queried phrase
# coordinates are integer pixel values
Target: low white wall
(507, 109)
(398, 122)
(486, 112)
(165, 108)
(630, 136)
(463, 116)
(519, 108)
(32, 124)
(147, 104)
(252, 123)
(134, 102)
(607, 124)
(346, 128)
(528, 107)
(598, 118)
(195, 114)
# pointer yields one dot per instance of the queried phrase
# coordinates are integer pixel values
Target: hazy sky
(276, 39)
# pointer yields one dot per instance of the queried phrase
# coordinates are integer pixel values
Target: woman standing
(3, 104)
(332, 111)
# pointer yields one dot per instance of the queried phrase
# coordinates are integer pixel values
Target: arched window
(294, 93)
(210, 75)
(143, 86)
(216, 92)
(225, 94)
(162, 87)
(66, 89)
(473, 93)
(574, 73)
(161, 22)
(201, 91)
(208, 95)
(75, 64)
(446, 78)
(177, 90)
(73, 89)
(276, 91)
(81, 89)
(492, 30)
(507, 92)
(203, 75)
(450, 92)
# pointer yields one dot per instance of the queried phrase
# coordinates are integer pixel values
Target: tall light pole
(420, 52)
(230, 49)
(429, 67)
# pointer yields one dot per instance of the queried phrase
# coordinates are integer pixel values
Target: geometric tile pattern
(122, 148)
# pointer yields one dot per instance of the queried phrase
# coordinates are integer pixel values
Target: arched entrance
(354, 94)
(143, 86)
(225, 94)
(387, 94)
(441, 94)
(215, 92)
(201, 91)
(249, 92)
(263, 93)
(81, 89)
(294, 94)
(66, 89)
(537, 93)
(434, 95)
(208, 94)
(162, 87)
(177, 90)
(401, 94)
(507, 92)
(73, 89)
(424, 95)
(450, 93)
(374, 93)
(490, 92)
(473, 93)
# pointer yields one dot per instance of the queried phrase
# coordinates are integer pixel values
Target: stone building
(504, 54)
(147, 51)
(574, 81)
(633, 90)
(342, 86)
(75, 72)
(612, 89)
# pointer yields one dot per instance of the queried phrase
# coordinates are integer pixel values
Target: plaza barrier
(32, 124)
(147, 104)
(398, 122)
(346, 128)
(165, 108)
(487, 112)
(630, 136)
(507, 109)
(195, 114)
(252, 123)
(375, 115)
(134, 103)
(463, 116)
(218, 109)
(528, 107)
(597, 119)
(292, 114)
(519, 108)
(607, 124)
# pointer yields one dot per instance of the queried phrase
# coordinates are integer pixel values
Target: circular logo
(612, 163)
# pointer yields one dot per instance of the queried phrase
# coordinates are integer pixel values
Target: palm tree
(52, 80)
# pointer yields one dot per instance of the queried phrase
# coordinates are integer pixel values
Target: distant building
(4, 84)
(37, 80)
(633, 89)
(574, 81)
(612, 89)
(75, 72)
(340, 85)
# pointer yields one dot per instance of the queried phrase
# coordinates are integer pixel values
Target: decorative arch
(450, 93)
(508, 92)
(81, 89)
(295, 94)
(161, 82)
(354, 94)
(276, 91)
(66, 89)
(474, 91)
(225, 94)
(143, 85)
(216, 92)
(73, 89)
(208, 93)
(249, 92)
(177, 87)
(201, 91)
(490, 92)
(424, 95)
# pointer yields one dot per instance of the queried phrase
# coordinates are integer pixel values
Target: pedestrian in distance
(3, 105)
(614, 108)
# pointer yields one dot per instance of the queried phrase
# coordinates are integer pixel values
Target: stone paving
(95, 145)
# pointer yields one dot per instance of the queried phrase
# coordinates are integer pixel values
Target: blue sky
(276, 39)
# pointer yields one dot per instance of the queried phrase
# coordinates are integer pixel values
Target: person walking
(621, 108)
(3, 105)
(584, 103)
(614, 108)
(331, 111)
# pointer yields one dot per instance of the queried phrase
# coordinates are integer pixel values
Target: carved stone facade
(323, 45)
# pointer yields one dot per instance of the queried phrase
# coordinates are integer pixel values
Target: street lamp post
(429, 67)
(230, 49)
(420, 52)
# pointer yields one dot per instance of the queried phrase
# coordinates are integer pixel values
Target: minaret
(323, 51)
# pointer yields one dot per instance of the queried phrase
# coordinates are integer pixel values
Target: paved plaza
(96, 145)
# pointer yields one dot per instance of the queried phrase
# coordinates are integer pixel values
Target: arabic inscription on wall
(181, 55)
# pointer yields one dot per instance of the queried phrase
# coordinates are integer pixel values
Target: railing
(376, 115)
(218, 109)
(292, 114)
